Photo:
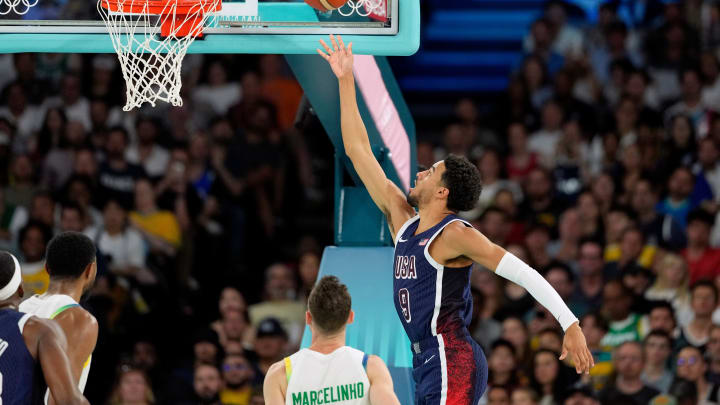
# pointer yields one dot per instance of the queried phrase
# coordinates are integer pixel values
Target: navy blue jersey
(17, 366)
(430, 298)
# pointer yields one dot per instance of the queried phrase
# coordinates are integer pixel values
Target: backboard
(376, 27)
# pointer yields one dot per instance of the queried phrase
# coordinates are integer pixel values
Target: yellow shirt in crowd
(35, 279)
(161, 224)
(233, 397)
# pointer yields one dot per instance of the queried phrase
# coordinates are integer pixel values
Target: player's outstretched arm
(386, 195)
(381, 384)
(468, 242)
(49, 344)
(275, 385)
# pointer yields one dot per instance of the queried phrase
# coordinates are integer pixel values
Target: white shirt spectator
(544, 143)
(79, 111)
(155, 164)
(218, 98)
(125, 249)
(27, 124)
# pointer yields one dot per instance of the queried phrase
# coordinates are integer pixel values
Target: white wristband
(517, 271)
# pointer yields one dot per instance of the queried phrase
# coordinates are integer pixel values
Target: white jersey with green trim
(49, 306)
(318, 379)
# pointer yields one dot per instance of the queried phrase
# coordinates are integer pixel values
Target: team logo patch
(423, 242)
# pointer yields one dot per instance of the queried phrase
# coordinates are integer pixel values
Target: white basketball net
(16, 6)
(361, 7)
(151, 64)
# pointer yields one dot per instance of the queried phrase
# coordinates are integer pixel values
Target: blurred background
(594, 124)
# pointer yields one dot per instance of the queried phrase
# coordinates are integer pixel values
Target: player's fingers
(350, 48)
(563, 354)
(340, 41)
(323, 54)
(592, 359)
(334, 42)
(327, 48)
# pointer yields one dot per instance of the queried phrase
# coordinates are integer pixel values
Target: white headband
(11, 288)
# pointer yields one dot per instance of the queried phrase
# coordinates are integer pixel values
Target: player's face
(426, 183)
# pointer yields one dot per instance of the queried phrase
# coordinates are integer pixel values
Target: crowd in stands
(601, 169)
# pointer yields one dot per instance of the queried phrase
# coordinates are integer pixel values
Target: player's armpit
(56, 366)
(81, 330)
(275, 385)
(464, 241)
(381, 384)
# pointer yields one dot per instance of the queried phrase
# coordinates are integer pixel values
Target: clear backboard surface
(377, 27)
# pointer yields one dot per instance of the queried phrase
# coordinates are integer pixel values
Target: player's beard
(412, 200)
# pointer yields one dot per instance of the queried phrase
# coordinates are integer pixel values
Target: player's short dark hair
(7, 268)
(463, 180)
(707, 284)
(329, 304)
(68, 255)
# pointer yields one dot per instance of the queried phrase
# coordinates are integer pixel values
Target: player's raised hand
(339, 56)
(575, 345)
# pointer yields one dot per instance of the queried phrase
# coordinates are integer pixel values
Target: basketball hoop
(151, 38)
(8, 6)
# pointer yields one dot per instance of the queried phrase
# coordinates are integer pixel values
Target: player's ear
(351, 317)
(443, 192)
(21, 291)
(308, 318)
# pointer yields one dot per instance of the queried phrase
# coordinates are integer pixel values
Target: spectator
(159, 228)
(660, 230)
(589, 286)
(146, 152)
(657, 348)
(624, 325)
(678, 204)
(122, 246)
(691, 102)
(23, 187)
(207, 383)
(524, 396)
(33, 240)
(544, 142)
(550, 377)
(498, 395)
(117, 177)
(489, 164)
(132, 388)
(284, 92)
(72, 218)
(713, 355)
(550, 339)
(703, 261)
(308, 269)
(217, 95)
(629, 363)
(672, 285)
(580, 395)
(50, 134)
(502, 365)
(238, 375)
(703, 300)
(19, 112)
(270, 344)
(691, 366)
(566, 247)
(231, 300)
(281, 302)
(484, 330)
(12, 218)
(520, 160)
(590, 217)
(233, 327)
(561, 277)
(493, 223)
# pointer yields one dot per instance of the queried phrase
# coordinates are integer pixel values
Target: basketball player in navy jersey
(434, 253)
(32, 350)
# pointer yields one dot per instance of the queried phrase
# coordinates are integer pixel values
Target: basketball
(325, 5)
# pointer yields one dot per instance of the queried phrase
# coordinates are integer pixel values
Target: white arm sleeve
(517, 271)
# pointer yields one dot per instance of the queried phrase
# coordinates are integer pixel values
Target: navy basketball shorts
(449, 369)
